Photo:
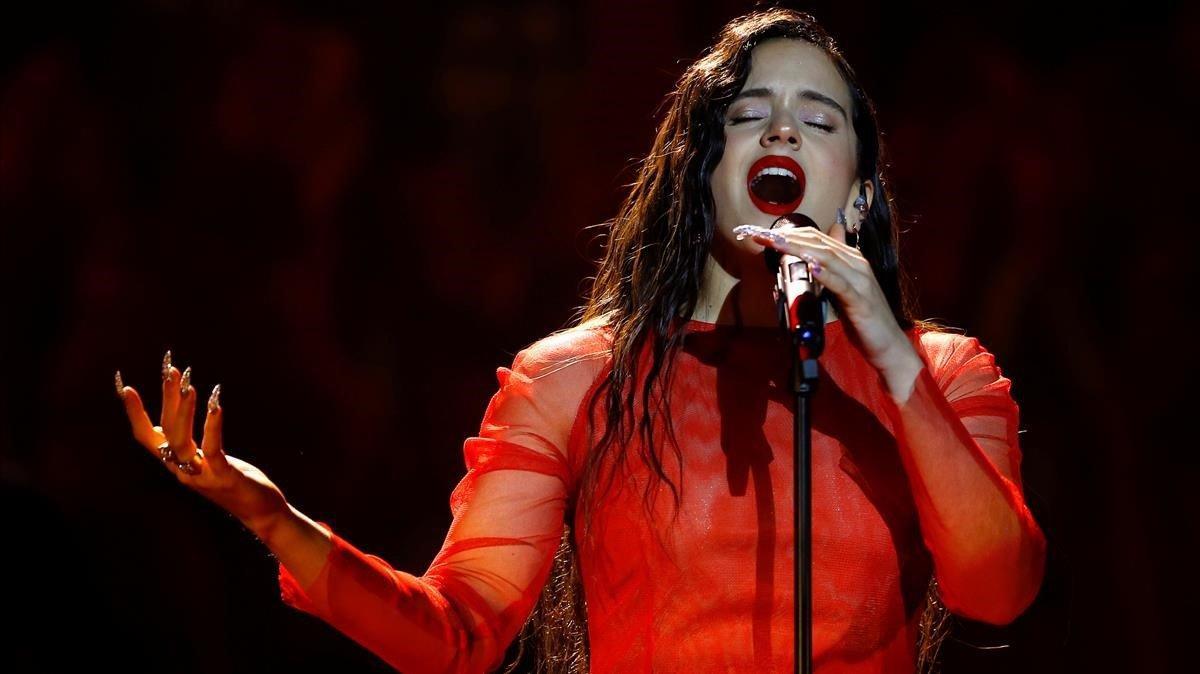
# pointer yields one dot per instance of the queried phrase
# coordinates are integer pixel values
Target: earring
(860, 204)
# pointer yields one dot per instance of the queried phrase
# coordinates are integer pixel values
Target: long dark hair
(650, 278)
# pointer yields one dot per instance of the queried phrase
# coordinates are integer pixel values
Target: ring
(191, 466)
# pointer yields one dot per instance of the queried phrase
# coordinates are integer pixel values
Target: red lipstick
(774, 192)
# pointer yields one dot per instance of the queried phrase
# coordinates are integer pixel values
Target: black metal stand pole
(804, 383)
(807, 344)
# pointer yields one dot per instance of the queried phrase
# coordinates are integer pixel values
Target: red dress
(898, 493)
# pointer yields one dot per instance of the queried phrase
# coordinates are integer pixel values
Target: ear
(851, 213)
(867, 187)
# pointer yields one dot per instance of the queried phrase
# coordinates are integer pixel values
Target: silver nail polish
(744, 231)
(214, 400)
(185, 382)
(120, 384)
(166, 366)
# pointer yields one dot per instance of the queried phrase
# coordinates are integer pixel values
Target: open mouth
(776, 184)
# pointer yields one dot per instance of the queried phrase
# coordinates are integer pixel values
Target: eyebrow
(807, 94)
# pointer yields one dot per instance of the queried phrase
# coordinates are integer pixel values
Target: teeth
(774, 171)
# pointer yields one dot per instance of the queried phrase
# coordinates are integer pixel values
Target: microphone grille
(793, 220)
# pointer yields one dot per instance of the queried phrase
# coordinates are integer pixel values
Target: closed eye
(738, 120)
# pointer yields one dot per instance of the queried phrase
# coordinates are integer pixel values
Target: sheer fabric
(708, 587)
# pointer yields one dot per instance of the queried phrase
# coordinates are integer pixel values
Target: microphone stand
(808, 341)
(804, 384)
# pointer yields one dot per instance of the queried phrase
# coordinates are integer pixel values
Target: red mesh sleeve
(957, 436)
(508, 510)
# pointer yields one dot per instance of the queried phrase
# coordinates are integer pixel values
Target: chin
(726, 246)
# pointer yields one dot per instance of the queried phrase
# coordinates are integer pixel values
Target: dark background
(349, 214)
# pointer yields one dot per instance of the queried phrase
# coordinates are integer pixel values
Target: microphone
(797, 293)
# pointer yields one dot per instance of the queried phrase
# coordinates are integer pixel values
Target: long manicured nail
(813, 265)
(214, 400)
(185, 383)
(743, 231)
(166, 366)
(120, 385)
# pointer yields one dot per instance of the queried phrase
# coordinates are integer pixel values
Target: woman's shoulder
(580, 349)
(953, 356)
(554, 374)
(944, 341)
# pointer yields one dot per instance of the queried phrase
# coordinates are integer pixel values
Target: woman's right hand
(231, 483)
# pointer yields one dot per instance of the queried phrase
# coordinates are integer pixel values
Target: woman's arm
(956, 430)
(298, 542)
(462, 613)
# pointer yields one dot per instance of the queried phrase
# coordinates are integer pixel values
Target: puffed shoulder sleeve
(507, 511)
(957, 436)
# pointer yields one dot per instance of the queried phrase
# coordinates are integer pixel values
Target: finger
(834, 268)
(808, 237)
(804, 247)
(179, 436)
(211, 443)
(835, 239)
(827, 249)
(832, 253)
(139, 422)
(831, 269)
(170, 393)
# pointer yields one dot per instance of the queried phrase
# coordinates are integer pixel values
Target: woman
(659, 427)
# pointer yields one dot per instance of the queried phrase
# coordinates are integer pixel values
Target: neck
(736, 290)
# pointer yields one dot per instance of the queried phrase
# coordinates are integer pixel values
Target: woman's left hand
(847, 274)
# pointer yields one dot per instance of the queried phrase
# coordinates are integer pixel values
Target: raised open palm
(235, 485)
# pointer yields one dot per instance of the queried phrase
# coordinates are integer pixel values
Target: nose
(782, 129)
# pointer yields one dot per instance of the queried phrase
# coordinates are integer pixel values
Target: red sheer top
(900, 492)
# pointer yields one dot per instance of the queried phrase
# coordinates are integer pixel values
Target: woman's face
(794, 106)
